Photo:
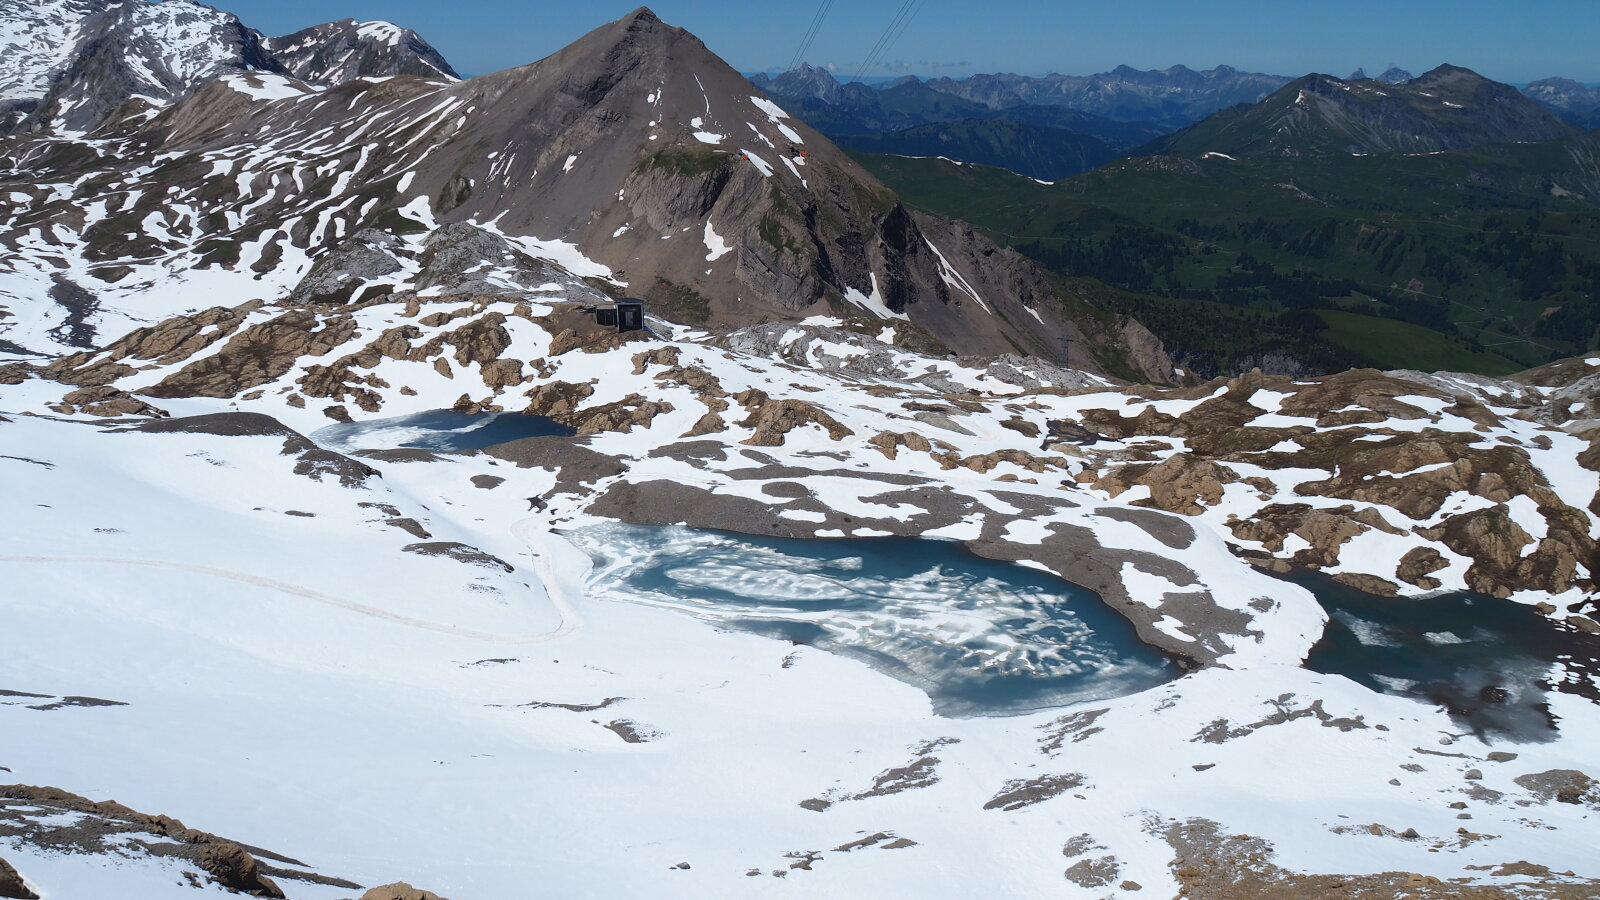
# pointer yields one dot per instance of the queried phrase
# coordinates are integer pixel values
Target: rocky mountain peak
(68, 65)
(112, 52)
(1574, 101)
(652, 165)
(340, 51)
(1448, 108)
(1448, 74)
(808, 81)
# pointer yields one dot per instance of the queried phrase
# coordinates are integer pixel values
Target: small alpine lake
(1491, 663)
(441, 429)
(981, 638)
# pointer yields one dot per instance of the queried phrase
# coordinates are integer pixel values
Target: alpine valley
(347, 554)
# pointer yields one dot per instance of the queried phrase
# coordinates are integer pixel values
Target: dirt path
(528, 531)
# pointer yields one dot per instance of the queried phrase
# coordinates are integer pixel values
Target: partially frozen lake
(980, 637)
(439, 429)
(1490, 662)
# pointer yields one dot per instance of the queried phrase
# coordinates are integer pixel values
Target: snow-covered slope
(353, 666)
(348, 660)
(82, 59)
(37, 40)
(67, 65)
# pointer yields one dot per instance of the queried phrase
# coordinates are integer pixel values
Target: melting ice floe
(441, 430)
(980, 637)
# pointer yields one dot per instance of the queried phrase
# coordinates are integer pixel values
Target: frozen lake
(980, 637)
(1490, 662)
(438, 429)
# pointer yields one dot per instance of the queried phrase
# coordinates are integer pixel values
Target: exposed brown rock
(1370, 584)
(1562, 786)
(1366, 388)
(987, 462)
(1418, 564)
(480, 341)
(257, 355)
(459, 552)
(889, 442)
(623, 415)
(107, 402)
(1493, 540)
(557, 399)
(1113, 425)
(710, 423)
(666, 357)
(227, 862)
(502, 373)
(773, 419)
(11, 886)
(399, 891)
(1022, 426)
(1184, 483)
(171, 341)
(1213, 865)
(1326, 530)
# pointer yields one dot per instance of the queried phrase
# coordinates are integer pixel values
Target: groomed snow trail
(571, 622)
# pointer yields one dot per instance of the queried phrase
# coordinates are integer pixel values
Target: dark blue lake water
(1491, 663)
(980, 637)
(440, 430)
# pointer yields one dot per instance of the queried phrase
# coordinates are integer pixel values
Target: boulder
(399, 891)
(11, 885)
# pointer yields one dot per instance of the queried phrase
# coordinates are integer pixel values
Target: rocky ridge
(635, 148)
(1448, 108)
(72, 64)
(1172, 97)
(341, 51)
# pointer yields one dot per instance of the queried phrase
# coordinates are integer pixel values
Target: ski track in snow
(571, 622)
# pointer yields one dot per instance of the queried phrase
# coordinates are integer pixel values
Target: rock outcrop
(228, 864)
(399, 891)
(12, 885)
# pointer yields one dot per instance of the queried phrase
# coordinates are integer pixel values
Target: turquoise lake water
(979, 637)
(440, 430)
(1491, 663)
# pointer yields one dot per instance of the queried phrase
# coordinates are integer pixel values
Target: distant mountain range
(1449, 108)
(911, 118)
(72, 63)
(855, 108)
(1169, 98)
(1057, 126)
(1576, 102)
(1445, 221)
(1164, 99)
(1392, 75)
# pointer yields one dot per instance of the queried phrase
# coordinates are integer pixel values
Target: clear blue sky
(1502, 39)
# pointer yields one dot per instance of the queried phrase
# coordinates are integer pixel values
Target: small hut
(624, 315)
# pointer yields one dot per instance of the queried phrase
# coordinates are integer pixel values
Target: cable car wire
(897, 27)
(811, 34)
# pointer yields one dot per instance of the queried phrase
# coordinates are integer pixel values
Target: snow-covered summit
(65, 65)
(340, 51)
(82, 59)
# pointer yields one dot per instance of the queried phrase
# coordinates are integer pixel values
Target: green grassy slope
(1491, 253)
